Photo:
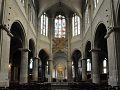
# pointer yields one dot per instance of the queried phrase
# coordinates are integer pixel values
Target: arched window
(31, 64)
(75, 25)
(105, 65)
(44, 24)
(60, 26)
(88, 65)
(73, 70)
(95, 3)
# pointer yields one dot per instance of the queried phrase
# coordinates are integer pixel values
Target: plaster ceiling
(52, 5)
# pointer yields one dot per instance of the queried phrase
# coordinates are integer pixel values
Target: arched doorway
(31, 56)
(43, 69)
(88, 57)
(76, 65)
(101, 45)
(16, 43)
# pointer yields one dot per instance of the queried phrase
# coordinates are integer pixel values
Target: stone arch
(88, 61)
(87, 49)
(31, 58)
(22, 31)
(32, 46)
(44, 56)
(60, 61)
(17, 46)
(100, 48)
(76, 55)
(100, 33)
(63, 4)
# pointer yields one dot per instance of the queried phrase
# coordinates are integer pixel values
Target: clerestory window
(75, 25)
(60, 26)
(44, 24)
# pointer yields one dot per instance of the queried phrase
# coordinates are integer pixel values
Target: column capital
(36, 58)
(95, 50)
(6, 29)
(110, 30)
(83, 59)
(50, 59)
(24, 49)
(69, 61)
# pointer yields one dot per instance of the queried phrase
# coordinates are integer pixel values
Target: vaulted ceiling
(54, 6)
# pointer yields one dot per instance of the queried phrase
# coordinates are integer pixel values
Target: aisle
(59, 86)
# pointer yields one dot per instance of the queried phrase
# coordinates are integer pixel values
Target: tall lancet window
(44, 24)
(60, 26)
(75, 25)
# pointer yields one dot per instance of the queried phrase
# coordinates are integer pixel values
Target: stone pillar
(113, 43)
(4, 59)
(68, 36)
(69, 70)
(50, 70)
(84, 69)
(24, 67)
(95, 66)
(35, 69)
(50, 60)
(80, 69)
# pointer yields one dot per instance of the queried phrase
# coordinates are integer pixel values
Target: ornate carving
(59, 44)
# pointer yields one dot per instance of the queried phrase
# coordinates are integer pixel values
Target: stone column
(84, 69)
(4, 59)
(69, 70)
(68, 36)
(113, 43)
(50, 70)
(95, 66)
(24, 67)
(79, 69)
(35, 69)
(50, 60)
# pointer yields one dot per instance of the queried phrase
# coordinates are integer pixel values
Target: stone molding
(110, 30)
(95, 50)
(6, 29)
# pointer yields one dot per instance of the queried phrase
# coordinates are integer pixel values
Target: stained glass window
(44, 24)
(60, 26)
(75, 25)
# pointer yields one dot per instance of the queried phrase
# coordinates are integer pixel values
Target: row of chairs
(29, 86)
(71, 86)
(90, 86)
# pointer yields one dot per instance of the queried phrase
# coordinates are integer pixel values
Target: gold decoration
(59, 44)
